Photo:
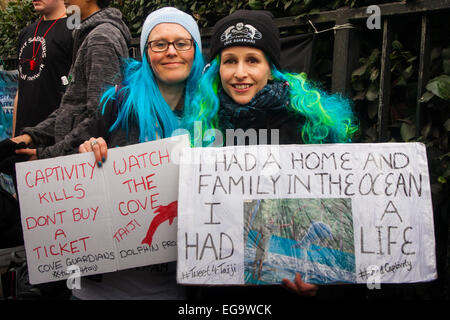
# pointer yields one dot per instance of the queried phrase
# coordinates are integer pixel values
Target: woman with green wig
(243, 88)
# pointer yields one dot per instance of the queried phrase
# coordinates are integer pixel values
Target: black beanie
(250, 28)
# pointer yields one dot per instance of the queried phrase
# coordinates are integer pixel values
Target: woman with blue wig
(244, 88)
(147, 106)
(149, 102)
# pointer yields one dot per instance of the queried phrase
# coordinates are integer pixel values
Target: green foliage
(435, 120)
(439, 86)
(205, 12)
(134, 13)
(13, 18)
(19, 13)
(307, 7)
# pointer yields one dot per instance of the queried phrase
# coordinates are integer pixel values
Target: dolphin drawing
(165, 213)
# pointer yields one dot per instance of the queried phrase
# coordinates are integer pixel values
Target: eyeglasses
(163, 45)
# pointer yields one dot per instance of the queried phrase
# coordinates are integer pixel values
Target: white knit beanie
(169, 15)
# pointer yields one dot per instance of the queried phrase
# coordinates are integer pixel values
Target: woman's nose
(240, 71)
(171, 49)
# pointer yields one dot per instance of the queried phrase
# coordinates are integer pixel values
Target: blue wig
(142, 102)
(204, 106)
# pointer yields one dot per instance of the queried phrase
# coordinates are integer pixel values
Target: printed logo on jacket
(30, 68)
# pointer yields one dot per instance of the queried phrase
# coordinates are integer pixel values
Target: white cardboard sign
(337, 213)
(116, 217)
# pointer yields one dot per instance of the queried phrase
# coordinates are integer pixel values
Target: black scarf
(270, 101)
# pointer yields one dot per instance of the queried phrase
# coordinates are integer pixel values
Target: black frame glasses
(179, 45)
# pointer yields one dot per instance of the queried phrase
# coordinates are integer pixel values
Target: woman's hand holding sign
(300, 287)
(98, 146)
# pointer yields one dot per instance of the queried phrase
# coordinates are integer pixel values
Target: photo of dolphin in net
(311, 236)
(316, 232)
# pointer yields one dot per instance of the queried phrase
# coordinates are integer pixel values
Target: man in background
(44, 50)
(100, 43)
(45, 56)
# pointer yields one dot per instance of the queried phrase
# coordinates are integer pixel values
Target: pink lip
(172, 64)
(241, 90)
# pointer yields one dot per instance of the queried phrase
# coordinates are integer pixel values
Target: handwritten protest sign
(343, 213)
(119, 216)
